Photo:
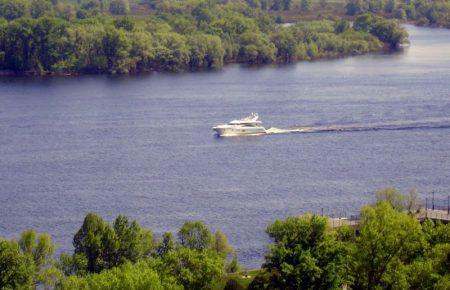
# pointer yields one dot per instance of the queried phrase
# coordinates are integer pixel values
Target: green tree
(221, 244)
(105, 247)
(49, 42)
(202, 13)
(126, 23)
(354, 7)
(388, 31)
(171, 52)
(39, 8)
(195, 235)
(134, 242)
(375, 6)
(50, 277)
(43, 251)
(142, 50)
(400, 14)
(97, 241)
(306, 256)
(18, 45)
(85, 50)
(342, 26)
(76, 264)
(194, 270)
(91, 4)
(413, 205)
(119, 7)
(390, 6)
(12, 9)
(256, 48)
(205, 51)
(27, 241)
(436, 232)
(66, 11)
(394, 197)
(285, 44)
(388, 240)
(305, 5)
(31, 256)
(166, 245)
(233, 266)
(116, 46)
(16, 268)
(127, 276)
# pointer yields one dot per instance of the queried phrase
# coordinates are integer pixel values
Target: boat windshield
(251, 120)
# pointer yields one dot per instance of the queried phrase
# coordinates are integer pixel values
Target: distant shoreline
(31, 74)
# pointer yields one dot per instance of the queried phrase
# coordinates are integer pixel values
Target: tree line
(65, 9)
(390, 249)
(121, 256)
(180, 36)
(421, 12)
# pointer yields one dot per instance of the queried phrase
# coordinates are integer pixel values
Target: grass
(244, 278)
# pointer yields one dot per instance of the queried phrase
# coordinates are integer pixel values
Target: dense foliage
(306, 256)
(26, 261)
(389, 32)
(179, 36)
(422, 12)
(390, 250)
(121, 256)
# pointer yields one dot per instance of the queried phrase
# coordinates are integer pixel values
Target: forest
(51, 37)
(391, 249)
(420, 12)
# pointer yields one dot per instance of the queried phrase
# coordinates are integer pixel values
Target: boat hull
(229, 131)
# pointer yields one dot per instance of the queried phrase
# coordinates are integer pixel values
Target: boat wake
(436, 123)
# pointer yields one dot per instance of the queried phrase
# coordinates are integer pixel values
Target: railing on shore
(442, 204)
(437, 215)
(434, 214)
(434, 209)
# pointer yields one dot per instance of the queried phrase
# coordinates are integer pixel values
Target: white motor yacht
(243, 127)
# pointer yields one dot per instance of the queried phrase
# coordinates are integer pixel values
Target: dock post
(426, 207)
(448, 204)
(321, 211)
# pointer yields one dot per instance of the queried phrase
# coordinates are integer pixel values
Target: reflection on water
(143, 145)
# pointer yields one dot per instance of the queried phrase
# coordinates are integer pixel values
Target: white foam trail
(435, 123)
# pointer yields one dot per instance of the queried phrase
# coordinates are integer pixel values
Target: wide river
(142, 146)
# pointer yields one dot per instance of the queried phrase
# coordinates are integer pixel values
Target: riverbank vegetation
(390, 249)
(39, 37)
(434, 13)
(121, 256)
(420, 12)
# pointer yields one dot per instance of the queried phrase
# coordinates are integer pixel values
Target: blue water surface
(142, 146)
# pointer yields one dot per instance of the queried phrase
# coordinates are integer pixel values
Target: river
(142, 146)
